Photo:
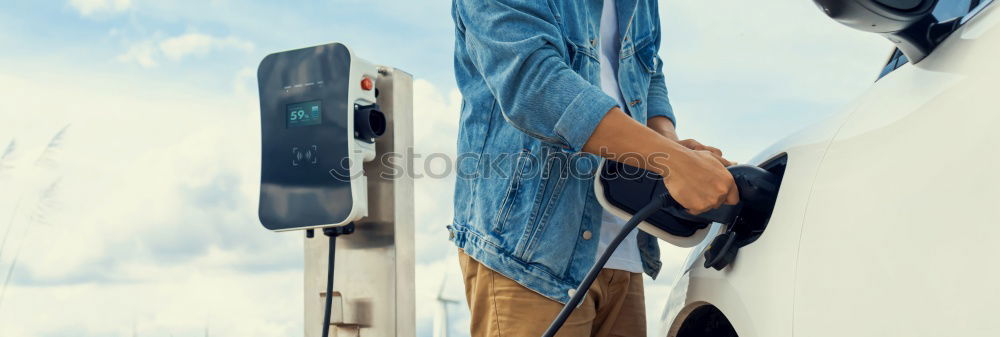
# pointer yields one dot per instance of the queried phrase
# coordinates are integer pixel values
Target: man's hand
(685, 190)
(698, 181)
(695, 145)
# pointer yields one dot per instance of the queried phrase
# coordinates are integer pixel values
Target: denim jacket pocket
(554, 175)
(645, 53)
(510, 198)
(584, 60)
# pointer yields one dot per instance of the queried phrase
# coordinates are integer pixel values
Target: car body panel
(891, 239)
(913, 151)
(767, 266)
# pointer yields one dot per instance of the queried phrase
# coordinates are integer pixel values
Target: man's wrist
(662, 162)
(670, 134)
(663, 126)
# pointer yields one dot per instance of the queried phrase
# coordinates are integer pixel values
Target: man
(542, 81)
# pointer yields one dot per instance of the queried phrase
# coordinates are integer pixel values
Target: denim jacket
(529, 75)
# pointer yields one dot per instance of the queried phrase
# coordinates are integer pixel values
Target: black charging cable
(661, 201)
(332, 233)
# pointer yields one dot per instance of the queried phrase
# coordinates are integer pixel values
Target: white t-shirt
(626, 257)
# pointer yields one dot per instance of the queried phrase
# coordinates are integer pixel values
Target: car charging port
(751, 223)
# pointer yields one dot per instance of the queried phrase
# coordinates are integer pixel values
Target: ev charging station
(328, 121)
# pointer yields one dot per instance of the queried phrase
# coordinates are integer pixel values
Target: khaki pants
(500, 307)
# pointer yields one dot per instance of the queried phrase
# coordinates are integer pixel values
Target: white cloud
(142, 54)
(195, 44)
(149, 53)
(90, 7)
(155, 225)
(435, 131)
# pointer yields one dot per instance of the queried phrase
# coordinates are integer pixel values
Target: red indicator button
(367, 83)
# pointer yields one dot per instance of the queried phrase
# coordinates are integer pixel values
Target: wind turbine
(441, 315)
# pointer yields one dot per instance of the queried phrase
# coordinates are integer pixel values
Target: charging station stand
(374, 292)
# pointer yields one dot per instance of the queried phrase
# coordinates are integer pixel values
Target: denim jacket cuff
(580, 118)
(660, 107)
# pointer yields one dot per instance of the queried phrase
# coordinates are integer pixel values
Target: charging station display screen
(304, 114)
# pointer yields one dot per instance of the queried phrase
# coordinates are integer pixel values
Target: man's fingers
(734, 196)
(716, 151)
(725, 162)
(698, 146)
(696, 211)
(703, 205)
(691, 144)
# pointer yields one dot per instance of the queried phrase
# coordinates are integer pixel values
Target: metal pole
(374, 286)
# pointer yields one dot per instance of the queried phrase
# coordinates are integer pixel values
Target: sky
(129, 133)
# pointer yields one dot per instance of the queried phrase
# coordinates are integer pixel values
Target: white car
(884, 222)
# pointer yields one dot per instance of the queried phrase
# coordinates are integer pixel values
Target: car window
(950, 9)
(945, 10)
(892, 64)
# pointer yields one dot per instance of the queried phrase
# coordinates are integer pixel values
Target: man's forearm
(621, 138)
(664, 126)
